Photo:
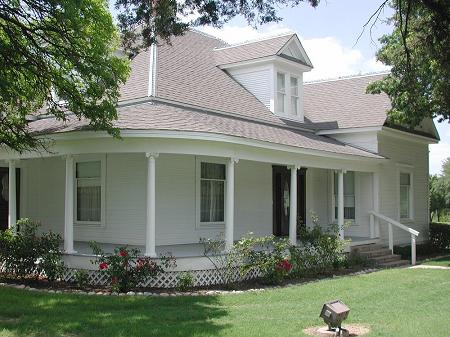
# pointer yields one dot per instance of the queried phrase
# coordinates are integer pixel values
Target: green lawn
(443, 261)
(400, 302)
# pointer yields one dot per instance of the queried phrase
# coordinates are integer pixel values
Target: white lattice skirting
(168, 279)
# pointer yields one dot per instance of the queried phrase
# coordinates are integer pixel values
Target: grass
(398, 302)
(442, 261)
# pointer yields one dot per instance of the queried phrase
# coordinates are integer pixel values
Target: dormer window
(294, 95)
(281, 92)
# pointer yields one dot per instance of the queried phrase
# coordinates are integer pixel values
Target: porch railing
(392, 222)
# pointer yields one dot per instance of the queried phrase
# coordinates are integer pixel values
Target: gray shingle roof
(343, 103)
(160, 116)
(251, 50)
(187, 73)
(136, 85)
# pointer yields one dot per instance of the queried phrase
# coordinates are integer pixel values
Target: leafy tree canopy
(52, 50)
(418, 50)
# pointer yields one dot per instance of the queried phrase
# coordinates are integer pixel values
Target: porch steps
(380, 255)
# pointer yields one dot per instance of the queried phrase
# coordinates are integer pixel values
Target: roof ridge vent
(348, 77)
(260, 39)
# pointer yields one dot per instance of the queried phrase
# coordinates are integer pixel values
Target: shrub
(320, 250)
(25, 253)
(185, 281)
(81, 278)
(225, 264)
(267, 254)
(127, 268)
(422, 249)
(440, 235)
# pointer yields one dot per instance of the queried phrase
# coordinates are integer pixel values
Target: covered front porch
(166, 200)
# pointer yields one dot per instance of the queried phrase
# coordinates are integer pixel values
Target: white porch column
(293, 206)
(340, 203)
(375, 230)
(229, 204)
(68, 206)
(12, 202)
(150, 233)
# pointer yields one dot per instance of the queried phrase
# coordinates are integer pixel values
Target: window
(89, 191)
(405, 196)
(281, 92)
(294, 95)
(349, 195)
(212, 192)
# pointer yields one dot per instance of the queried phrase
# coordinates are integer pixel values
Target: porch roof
(168, 117)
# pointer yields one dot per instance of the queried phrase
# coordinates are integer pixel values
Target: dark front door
(4, 195)
(281, 195)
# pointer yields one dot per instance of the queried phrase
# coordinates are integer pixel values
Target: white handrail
(391, 222)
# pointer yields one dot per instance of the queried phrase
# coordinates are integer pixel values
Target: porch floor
(182, 250)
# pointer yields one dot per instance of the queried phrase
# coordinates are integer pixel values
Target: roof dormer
(271, 69)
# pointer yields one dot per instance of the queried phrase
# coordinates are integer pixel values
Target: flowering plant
(127, 268)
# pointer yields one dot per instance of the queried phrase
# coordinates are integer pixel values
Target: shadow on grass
(34, 314)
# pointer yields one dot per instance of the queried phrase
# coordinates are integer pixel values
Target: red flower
(284, 265)
(103, 265)
(123, 253)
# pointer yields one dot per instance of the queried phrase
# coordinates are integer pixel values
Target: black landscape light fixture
(334, 313)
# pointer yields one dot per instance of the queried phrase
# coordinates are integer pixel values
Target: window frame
(212, 224)
(410, 217)
(334, 200)
(84, 159)
(297, 97)
(285, 93)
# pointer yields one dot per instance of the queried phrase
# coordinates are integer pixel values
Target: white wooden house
(224, 139)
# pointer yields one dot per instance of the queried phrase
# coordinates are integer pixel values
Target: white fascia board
(262, 60)
(349, 130)
(84, 135)
(387, 131)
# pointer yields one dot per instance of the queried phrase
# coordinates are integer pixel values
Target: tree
(57, 54)
(164, 18)
(418, 50)
(439, 193)
(446, 170)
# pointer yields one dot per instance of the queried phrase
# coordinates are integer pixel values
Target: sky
(329, 34)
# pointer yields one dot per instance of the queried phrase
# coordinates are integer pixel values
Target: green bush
(81, 278)
(319, 250)
(24, 253)
(440, 235)
(185, 281)
(127, 268)
(267, 254)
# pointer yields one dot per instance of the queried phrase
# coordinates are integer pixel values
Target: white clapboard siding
(126, 199)
(257, 81)
(411, 156)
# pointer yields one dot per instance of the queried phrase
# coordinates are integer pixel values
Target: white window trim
(287, 95)
(89, 158)
(408, 169)
(296, 96)
(353, 222)
(207, 225)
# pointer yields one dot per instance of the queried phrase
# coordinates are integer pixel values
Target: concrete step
(394, 264)
(367, 248)
(374, 253)
(386, 258)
